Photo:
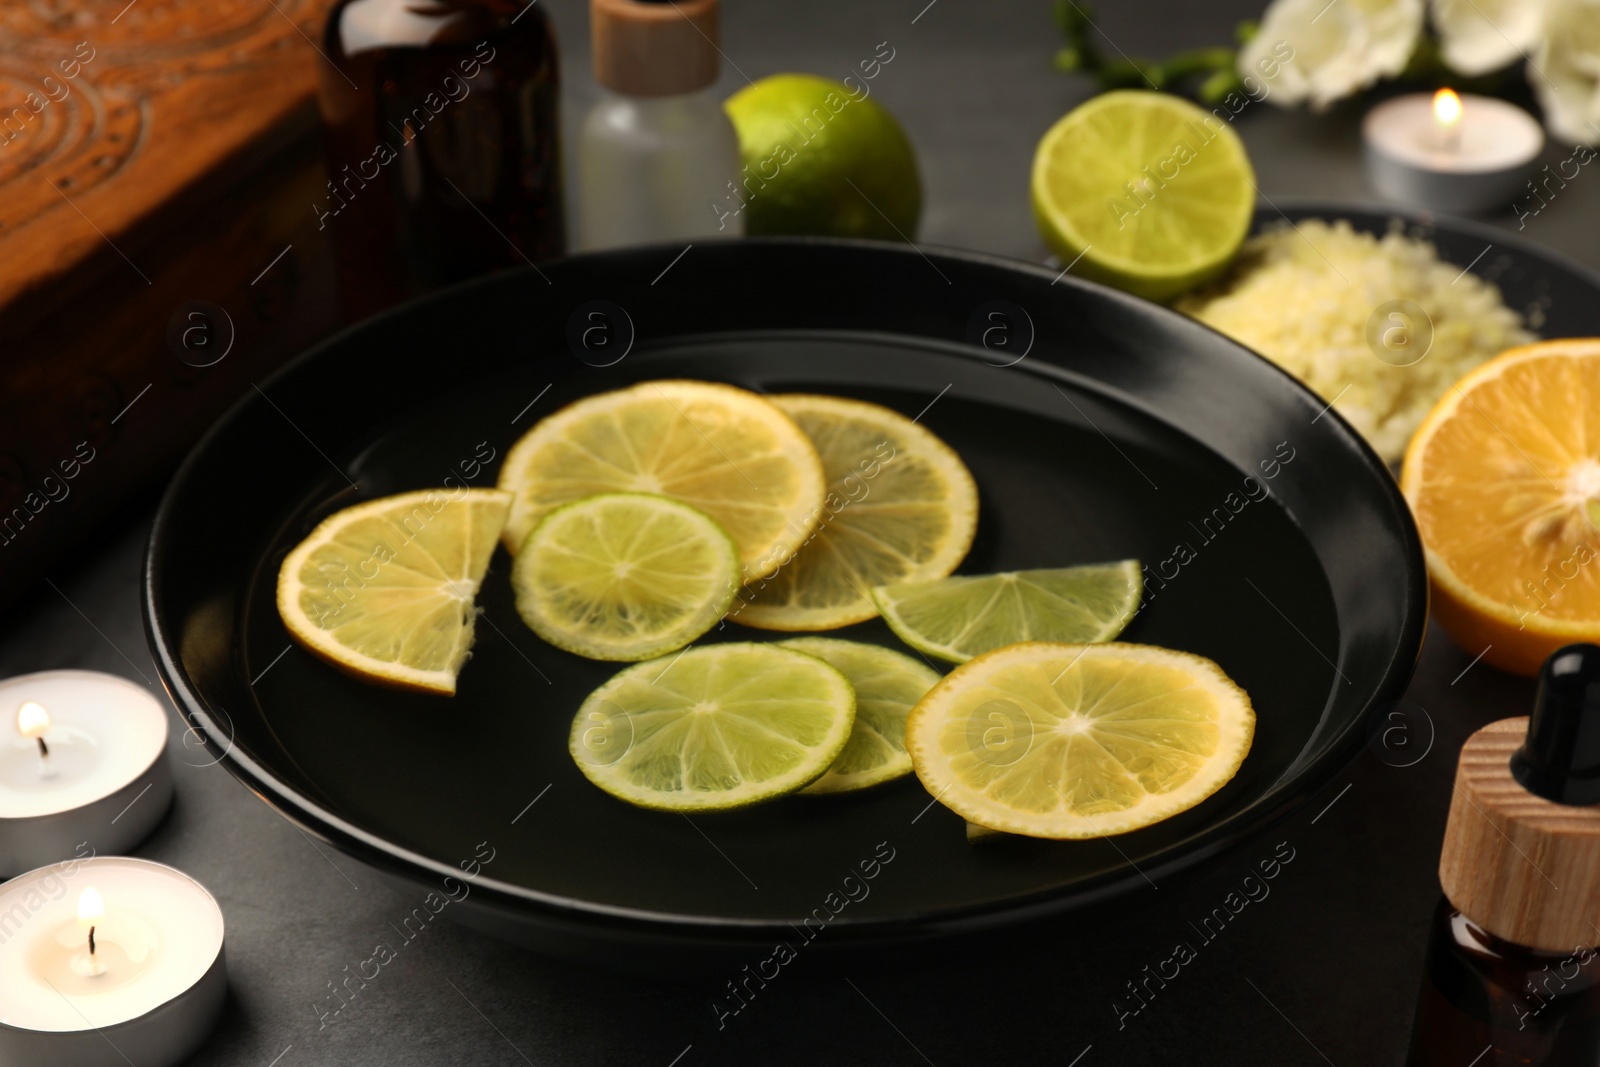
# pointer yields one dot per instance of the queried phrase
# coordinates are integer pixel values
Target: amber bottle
(441, 127)
(1512, 976)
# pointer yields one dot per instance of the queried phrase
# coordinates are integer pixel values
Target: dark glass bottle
(1511, 976)
(1489, 1002)
(442, 136)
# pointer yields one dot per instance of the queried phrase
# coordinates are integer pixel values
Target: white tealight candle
(82, 761)
(108, 961)
(1450, 152)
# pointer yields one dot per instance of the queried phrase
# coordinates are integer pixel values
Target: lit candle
(33, 721)
(128, 969)
(1450, 152)
(87, 764)
(1447, 119)
(91, 909)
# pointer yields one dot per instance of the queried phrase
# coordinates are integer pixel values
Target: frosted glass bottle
(657, 151)
(653, 168)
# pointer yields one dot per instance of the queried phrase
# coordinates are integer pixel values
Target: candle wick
(44, 749)
(91, 942)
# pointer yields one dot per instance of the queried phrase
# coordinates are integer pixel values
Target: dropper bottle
(1512, 975)
(656, 150)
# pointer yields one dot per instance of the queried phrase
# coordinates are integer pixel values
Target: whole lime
(821, 159)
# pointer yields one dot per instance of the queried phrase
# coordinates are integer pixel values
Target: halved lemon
(900, 507)
(723, 450)
(384, 590)
(624, 576)
(888, 685)
(1503, 478)
(720, 726)
(1075, 741)
(961, 617)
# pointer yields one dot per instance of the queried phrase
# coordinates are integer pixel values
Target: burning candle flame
(1446, 109)
(90, 907)
(32, 719)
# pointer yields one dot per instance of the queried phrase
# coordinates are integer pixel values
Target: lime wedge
(961, 617)
(717, 727)
(624, 576)
(1144, 191)
(1074, 741)
(888, 685)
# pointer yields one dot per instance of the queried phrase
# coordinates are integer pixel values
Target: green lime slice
(888, 685)
(965, 616)
(1144, 191)
(625, 576)
(716, 727)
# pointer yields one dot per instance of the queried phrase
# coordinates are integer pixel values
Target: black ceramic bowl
(1098, 427)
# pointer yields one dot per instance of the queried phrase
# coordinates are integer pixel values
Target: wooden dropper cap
(1521, 851)
(645, 48)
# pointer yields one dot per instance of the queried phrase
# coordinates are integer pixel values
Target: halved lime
(965, 616)
(716, 727)
(888, 685)
(625, 576)
(1144, 191)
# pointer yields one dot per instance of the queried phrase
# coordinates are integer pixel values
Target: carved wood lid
(113, 112)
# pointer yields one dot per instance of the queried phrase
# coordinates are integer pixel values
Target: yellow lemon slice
(384, 590)
(900, 507)
(723, 450)
(1075, 741)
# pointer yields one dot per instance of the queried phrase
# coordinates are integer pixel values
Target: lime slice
(900, 507)
(384, 590)
(1074, 741)
(716, 727)
(958, 618)
(888, 685)
(1144, 191)
(723, 450)
(624, 576)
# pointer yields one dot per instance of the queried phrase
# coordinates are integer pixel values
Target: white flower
(1477, 36)
(1565, 70)
(1325, 50)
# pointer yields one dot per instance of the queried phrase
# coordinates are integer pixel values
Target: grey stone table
(1322, 971)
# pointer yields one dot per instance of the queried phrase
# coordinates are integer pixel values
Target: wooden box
(158, 248)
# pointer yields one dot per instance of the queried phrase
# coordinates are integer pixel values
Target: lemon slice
(1144, 191)
(624, 576)
(384, 589)
(888, 685)
(900, 507)
(723, 450)
(1073, 741)
(716, 727)
(961, 617)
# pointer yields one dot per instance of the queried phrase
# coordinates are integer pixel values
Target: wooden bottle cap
(1524, 868)
(644, 48)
